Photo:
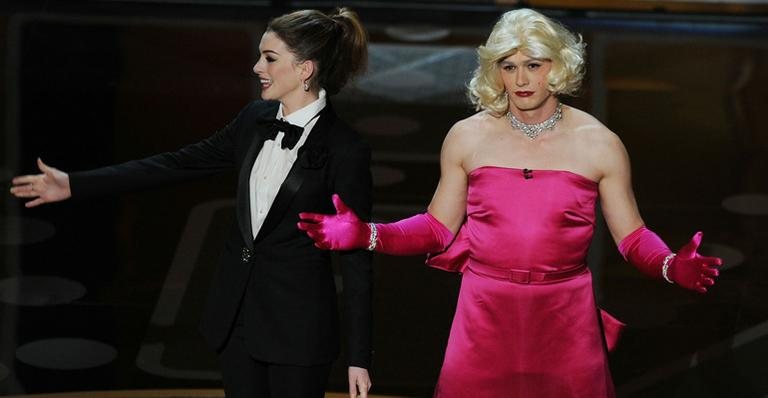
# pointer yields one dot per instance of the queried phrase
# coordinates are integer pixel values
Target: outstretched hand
(340, 231)
(50, 186)
(691, 270)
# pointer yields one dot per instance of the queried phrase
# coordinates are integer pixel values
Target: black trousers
(248, 377)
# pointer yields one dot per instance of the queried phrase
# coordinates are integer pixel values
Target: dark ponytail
(337, 43)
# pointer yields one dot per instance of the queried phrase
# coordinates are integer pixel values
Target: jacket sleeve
(353, 184)
(204, 158)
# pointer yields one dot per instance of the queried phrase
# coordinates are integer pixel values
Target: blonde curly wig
(537, 37)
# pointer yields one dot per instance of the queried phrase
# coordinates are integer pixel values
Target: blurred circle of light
(40, 290)
(409, 79)
(747, 204)
(387, 125)
(66, 353)
(385, 175)
(417, 33)
(24, 230)
(732, 257)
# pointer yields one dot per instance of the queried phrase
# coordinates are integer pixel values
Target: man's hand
(340, 231)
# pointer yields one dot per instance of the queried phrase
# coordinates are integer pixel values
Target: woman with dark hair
(271, 311)
(515, 207)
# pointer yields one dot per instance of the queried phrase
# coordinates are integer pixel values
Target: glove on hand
(421, 233)
(340, 231)
(689, 269)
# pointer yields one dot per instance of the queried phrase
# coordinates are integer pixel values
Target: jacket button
(245, 255)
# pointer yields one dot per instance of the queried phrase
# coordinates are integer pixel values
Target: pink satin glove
(419, 234)
(340, 231)
(689, 269)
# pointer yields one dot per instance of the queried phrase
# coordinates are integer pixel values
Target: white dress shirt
(273, 162)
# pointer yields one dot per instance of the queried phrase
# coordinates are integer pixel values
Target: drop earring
(306, 86)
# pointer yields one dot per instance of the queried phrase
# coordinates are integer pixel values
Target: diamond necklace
(533, 130)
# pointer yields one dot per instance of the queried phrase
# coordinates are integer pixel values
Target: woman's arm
(209, 156)
(353, 180)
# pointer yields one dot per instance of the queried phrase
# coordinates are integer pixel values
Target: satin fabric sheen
(412, 235)
(513, 339)
(646, 250)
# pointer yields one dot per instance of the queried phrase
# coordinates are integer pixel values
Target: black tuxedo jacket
(284, 283)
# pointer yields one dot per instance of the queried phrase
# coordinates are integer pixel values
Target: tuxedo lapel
(243, 211)
(311, 155)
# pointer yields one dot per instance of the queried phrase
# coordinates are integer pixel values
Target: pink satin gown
(521, 334)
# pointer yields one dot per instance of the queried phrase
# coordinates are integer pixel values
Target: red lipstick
(523, 93)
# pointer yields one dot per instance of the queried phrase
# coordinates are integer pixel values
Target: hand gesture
(340, 231)
(359, 382)
(50, 186)
(691, 270)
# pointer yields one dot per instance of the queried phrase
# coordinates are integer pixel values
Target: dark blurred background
(105, 294)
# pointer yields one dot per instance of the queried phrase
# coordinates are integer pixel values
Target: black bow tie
(291, 131)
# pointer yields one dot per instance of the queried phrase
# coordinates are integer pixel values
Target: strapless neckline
(566, 172)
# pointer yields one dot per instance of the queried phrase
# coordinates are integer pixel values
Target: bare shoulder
(602, 147)
(469, 131)
(464, 138)
(592, 135)
(472, 126)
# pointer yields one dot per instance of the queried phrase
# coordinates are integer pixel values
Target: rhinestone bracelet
(372, 239)
(665, 266)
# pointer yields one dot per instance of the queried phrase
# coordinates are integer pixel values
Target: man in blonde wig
(514, 212)
(536, 36)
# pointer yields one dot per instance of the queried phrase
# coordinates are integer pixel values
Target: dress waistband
(525, 276)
